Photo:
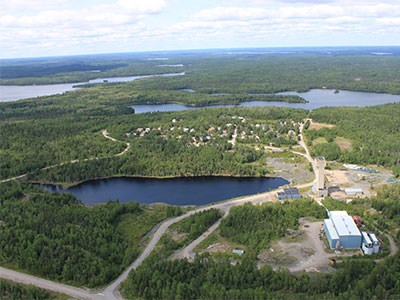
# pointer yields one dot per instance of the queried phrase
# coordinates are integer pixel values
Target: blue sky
(30, 28)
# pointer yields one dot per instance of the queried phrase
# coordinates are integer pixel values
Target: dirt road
(188, 252)
(105, 134)
(111, 291)
(48, 285)
(394, 248)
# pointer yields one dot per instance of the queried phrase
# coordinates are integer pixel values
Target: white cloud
(298, 12)
(295, 20)
(30, 5)
(69, 25)
(142, 6)
(57, 26)
(389, 21)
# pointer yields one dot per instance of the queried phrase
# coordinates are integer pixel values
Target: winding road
(111, 291)
(188, 251)
(105, 134)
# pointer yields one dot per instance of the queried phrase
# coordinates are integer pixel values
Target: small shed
(353, 191)
(238, 251)
(289, 193)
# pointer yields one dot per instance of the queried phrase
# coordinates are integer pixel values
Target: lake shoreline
(314, 98)
(66, 185)
(11, 93)
(181, 191)
(77, 81)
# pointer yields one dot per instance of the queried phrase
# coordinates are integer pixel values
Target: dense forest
(187, 143)
(77, 69)
(13, 291)
(31, 145)
(59, 139)
(56, 236)
(374, 133)
(209, 277)
(38, 133)
(44, 70)
(388, 202)
(214, 72)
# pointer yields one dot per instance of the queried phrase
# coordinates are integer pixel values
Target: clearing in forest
(318, 126)
(344, 144)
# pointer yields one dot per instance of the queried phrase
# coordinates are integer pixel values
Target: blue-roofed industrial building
(289, 193)
(341, 231)
(331, 234)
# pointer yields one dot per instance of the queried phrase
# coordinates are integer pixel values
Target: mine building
(319, 187)
(341, 231)
(289, 193)
(353, 191)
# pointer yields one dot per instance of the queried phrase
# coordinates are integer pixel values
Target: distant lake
(174, 191)
(316, 98)
(17, 92)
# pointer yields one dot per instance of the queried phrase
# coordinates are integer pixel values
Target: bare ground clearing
(344, 144)
(318, 126)
(304, 251)
(356, 179)
(295, 172)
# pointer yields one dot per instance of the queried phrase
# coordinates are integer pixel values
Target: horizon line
(198, 49)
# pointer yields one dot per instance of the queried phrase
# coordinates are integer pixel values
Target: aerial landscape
(187, 150)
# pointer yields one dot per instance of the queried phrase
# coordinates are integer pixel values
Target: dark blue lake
(175, 191)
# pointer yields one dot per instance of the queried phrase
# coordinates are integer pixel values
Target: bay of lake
(316, 98)
(174, 191)
(17, 92)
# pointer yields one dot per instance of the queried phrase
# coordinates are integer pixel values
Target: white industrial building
(353, 191)
(367, 245)
(370, 244)
(341, 231)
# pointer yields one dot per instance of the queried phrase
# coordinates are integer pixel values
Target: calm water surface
(15, 92)
(316, 97)
(175, 191)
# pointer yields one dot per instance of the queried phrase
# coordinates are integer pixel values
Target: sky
(34, 28)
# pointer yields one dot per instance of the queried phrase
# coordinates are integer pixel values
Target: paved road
(188, 251)
(111, 291)
(47, 284)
